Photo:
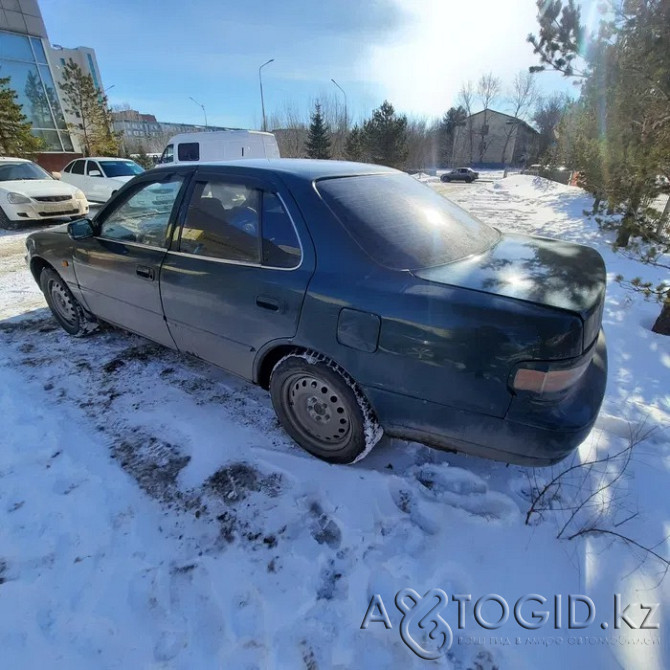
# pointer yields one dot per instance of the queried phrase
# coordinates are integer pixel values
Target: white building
(493, 138)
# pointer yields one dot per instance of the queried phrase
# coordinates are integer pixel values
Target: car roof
(301, 167)
(102, 158)
(11, 159)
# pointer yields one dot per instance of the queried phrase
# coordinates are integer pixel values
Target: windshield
(18, 171)
(121, 168)
(402, 223)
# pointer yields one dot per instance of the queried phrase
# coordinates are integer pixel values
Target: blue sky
(416, 53)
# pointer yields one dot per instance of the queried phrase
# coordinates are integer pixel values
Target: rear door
(237, 271)
(118, 270)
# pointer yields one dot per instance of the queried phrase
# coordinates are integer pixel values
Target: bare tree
(488, 90)
(522, 98)
(466, 98)
(290, 128)
(423, 144)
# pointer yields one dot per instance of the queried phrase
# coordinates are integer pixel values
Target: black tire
(64, 306)
(6, 223)
(322, 409)
(469, 180)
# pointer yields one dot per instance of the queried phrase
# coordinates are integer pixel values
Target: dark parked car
(363, 300)
(460, 174)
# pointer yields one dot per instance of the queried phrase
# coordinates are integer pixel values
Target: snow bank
(153, 514)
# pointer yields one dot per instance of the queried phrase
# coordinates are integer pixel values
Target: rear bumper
(531, 433)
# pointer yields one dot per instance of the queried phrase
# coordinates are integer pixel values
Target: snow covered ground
(154, 515)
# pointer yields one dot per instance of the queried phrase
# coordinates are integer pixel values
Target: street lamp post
(346, 118)
(260, 81)
(203, 109)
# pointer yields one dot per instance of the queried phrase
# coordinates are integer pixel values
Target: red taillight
(548, 381)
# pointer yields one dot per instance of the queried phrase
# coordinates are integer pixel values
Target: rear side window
(77, 167)
(281, 248)
(222, 222)
(67, 168)
(403, 224)
(189, 151)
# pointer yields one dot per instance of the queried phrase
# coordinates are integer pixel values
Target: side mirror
(94, 173)
(56, 175)
(81, 229)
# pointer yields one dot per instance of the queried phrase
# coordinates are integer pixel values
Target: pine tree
(385, 137)
(354, 145)
(88, 105)
(16, 138)
(452, 119)
(618, 135)
(318, 138)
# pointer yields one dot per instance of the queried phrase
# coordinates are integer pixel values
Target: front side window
(189, 151)
(281, 248)
(403, 224)
(91, 168)
(168, 154)
(222, 221)
(78, 167)
(143, 217)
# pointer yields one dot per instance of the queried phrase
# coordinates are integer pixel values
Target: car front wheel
(64, 306)
(322, 408)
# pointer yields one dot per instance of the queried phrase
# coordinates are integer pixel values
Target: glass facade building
(24, 61)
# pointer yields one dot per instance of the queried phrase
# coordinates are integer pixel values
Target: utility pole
(203, 109)
(260, 81)
(346, 117)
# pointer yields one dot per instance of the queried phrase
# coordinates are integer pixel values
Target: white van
(219, 145)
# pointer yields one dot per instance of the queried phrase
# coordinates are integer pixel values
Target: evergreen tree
(354, 145)
(88, 105)
(318, 137)
(617, 135)
(385, 137)
(453, 118)
(547, 116)
(15, 136)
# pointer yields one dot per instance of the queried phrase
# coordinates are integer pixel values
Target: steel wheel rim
(62, 304)
(317, 410)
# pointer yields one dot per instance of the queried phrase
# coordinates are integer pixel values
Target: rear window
(404, 224)
(188, 151)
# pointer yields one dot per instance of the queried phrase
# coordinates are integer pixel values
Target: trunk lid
(539, 270)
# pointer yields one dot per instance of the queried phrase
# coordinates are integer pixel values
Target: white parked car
(30, 193)
(99, 177)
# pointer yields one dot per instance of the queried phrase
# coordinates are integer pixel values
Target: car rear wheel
(64, 306)
(322, 408)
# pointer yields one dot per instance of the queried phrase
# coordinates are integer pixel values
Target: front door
(118, 270)
(94, 180)
(236, 275)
